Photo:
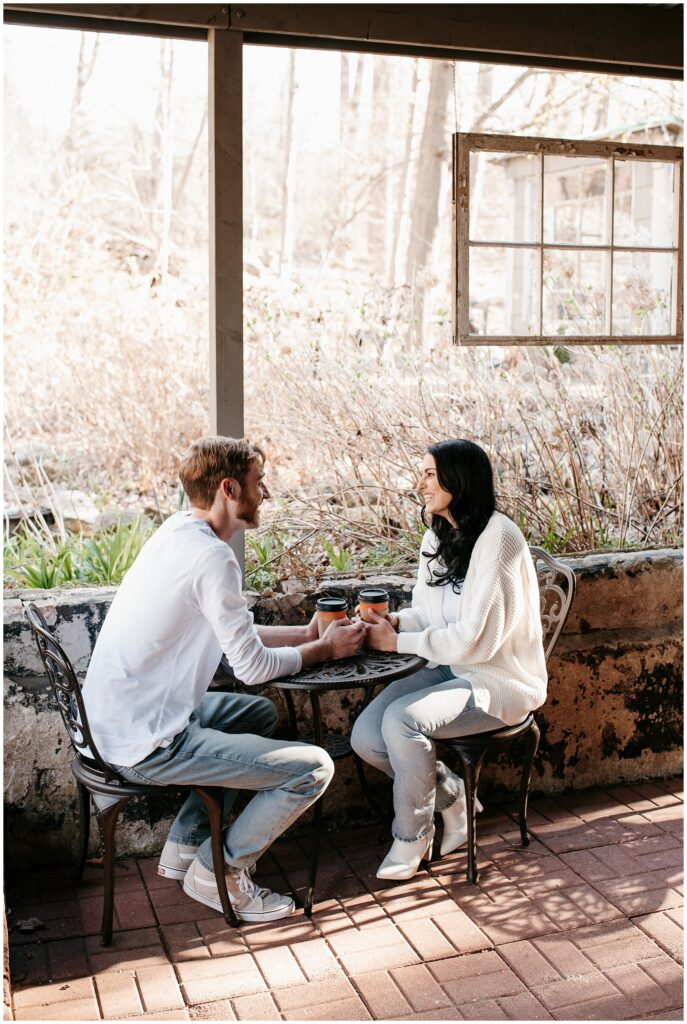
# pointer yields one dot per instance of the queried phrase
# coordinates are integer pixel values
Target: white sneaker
(250, 901)
(175, 860)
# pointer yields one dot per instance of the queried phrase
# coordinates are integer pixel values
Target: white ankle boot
(455, 820)
(403, 859)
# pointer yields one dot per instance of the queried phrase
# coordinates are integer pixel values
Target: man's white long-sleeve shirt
(179, 608)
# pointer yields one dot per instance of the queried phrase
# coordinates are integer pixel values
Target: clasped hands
(378, 634)
(381, 633)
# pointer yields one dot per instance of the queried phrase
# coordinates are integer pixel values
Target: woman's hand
(389, 616)
(381, 635)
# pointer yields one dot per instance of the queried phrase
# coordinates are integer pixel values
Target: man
(178, 610)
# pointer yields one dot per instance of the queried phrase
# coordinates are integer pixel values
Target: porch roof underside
(626, 39)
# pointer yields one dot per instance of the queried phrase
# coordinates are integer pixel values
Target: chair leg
(471, 771)
(532, 746)
(84, 799)
(380, 808)
(108, 820)
(291, 711)
(316, 827)
(213, 798)
(315, 832)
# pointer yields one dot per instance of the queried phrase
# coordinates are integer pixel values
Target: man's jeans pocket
(135, 777)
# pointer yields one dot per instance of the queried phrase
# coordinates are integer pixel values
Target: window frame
(465, 143)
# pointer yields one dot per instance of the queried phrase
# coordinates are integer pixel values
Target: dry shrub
(118, 384)
(586, 442)
(587, 452)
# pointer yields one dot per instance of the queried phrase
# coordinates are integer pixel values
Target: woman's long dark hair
(464, 470)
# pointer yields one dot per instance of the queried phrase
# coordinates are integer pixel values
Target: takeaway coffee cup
(374, 599)
(328, 610)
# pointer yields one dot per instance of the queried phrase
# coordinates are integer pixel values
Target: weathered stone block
(614, 711)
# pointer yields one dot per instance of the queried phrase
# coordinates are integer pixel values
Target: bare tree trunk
(85, 67)
(183, 177)
(165, 131)
(379, 140)
(394, 276)
(483, 92)
(434, 147)
(601, 116)
(289, 173)
(354, 144)
(354, 97)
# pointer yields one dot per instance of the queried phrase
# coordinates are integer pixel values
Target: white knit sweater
(496, 642)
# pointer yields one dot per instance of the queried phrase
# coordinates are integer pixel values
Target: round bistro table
(365, 670)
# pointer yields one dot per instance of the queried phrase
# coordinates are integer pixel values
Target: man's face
(253, 493)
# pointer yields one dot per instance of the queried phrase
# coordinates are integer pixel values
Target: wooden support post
(225, 138)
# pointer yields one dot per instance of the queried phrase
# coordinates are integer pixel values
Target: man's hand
(288, 636)
(311, 630)
(381, 635)
(341, 639)
(345, 637)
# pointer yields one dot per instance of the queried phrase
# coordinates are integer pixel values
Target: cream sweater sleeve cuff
(408, 643)
(409, 619)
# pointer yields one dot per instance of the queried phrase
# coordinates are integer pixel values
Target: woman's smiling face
(436, 499)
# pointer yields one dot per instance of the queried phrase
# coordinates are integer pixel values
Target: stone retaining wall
(614, 711)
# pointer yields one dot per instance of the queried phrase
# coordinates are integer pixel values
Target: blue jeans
(226, 743)
(395, 732)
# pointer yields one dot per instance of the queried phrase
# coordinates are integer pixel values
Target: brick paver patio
(584, 924)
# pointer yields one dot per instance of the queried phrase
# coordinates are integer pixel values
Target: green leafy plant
(29, 563)
(381, 555)
(262, 552)
(552, 541)
(107, 559)
(340, 558)
(39, 560)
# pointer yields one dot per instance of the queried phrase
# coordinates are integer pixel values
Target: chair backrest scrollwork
(67, 692)
(556, 592)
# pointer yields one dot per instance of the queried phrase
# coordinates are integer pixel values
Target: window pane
(504, 197)
(643, 209)
(642, 290)
(574, 293)
(575, 200)
(503, 291)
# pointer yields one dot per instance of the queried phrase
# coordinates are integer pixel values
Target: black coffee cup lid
(331, 604)
(375, 595)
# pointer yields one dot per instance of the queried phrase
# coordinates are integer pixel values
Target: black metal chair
(97, 779)
(556, 590)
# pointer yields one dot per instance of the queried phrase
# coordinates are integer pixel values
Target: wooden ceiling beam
(183, 15)
(624, 34)
(623, 39)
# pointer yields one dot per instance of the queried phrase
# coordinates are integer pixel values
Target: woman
(475, 618)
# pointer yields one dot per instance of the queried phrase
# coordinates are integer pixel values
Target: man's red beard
(247, 511)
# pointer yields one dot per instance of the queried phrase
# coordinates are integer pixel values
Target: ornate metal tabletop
(363, 669)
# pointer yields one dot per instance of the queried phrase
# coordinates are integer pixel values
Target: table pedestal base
(365, 670)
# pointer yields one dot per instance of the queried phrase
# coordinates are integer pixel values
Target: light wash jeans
(395, 732)
(226, 744)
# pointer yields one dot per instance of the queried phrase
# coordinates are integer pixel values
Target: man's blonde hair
(211, 459)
